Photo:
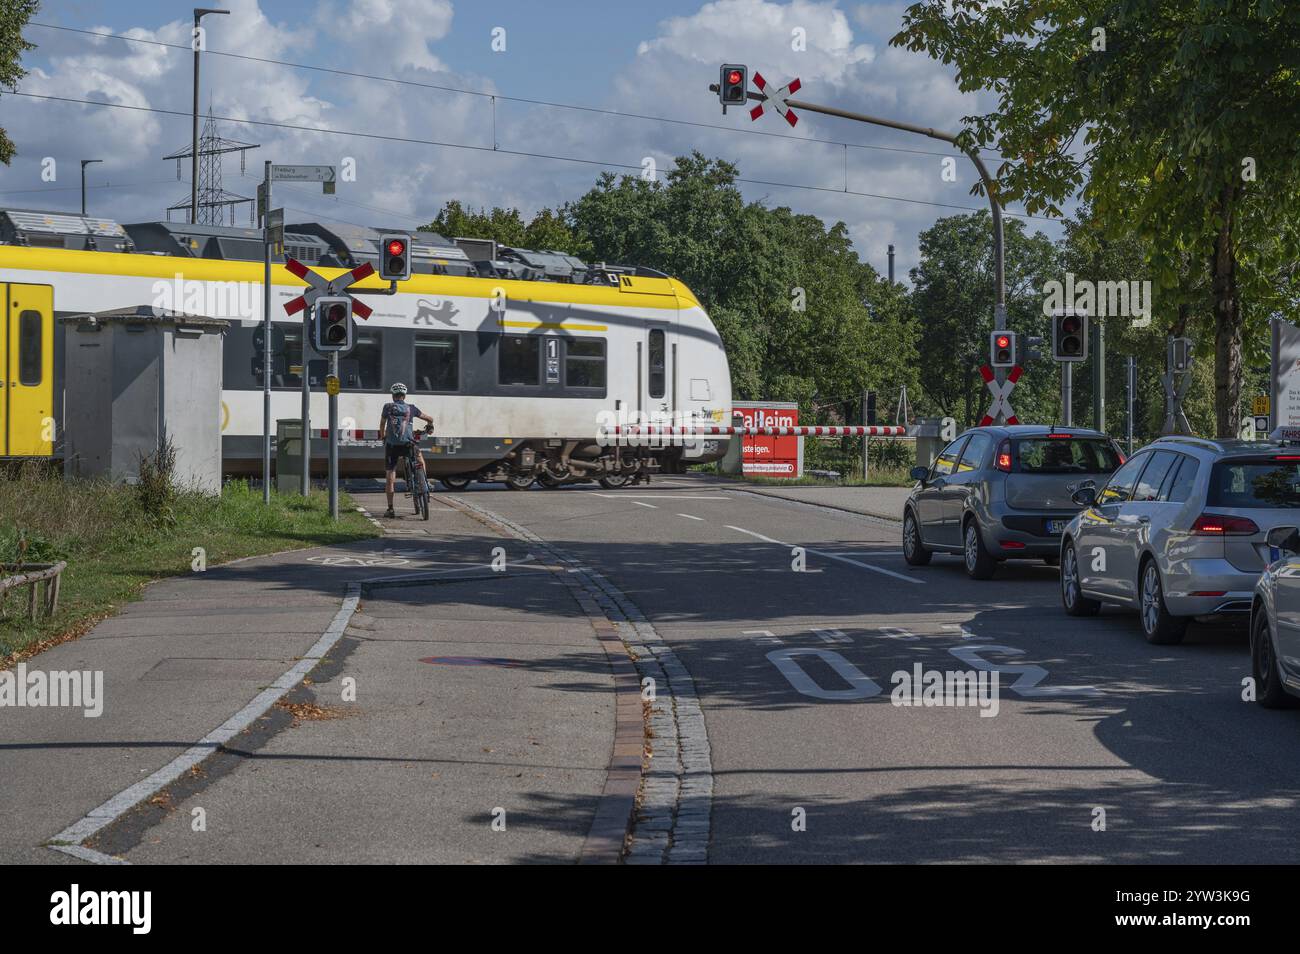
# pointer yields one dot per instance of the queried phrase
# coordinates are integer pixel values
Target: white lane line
(690, 517)
(640, 504)
(663, 496)
(869, 553)
(830, 556)
(123, 801)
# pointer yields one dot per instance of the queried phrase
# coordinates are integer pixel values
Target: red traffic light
(396, 247)
(1003, 341)
(733, 76)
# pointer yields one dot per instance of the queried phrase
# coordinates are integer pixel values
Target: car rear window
(1065, 455)
(1255, 483)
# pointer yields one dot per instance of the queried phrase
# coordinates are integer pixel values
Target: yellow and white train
(518, 364)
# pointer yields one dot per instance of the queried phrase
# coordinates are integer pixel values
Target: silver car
(1179, 531)
(1275, 623)
(1002, 493)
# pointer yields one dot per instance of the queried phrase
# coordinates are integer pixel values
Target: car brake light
(1012, 545)
(1057, 437)
(1216, 524)
(1287, 457)
(1004, 457)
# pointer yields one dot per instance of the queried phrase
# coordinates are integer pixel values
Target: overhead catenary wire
(499, 96)
(602, 163)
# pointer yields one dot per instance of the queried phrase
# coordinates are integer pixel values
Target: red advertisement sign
(767, 456)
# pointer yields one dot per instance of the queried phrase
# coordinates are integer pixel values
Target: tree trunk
(1227, 319)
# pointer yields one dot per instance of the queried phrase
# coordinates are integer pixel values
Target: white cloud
(846, 64)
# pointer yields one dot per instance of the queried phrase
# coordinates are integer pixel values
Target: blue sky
(647, 58)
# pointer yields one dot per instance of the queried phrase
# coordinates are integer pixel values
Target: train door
(659, 373)
(27, 372)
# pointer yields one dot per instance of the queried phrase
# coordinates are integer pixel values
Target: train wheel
(547, 482)
(615, 481)
(519, 481)
(455, 483)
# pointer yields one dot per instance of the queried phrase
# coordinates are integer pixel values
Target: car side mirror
(920, 473)
(1286, 539)
(1085, 496)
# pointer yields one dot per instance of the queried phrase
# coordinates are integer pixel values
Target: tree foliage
(1176, 121)
(14, 15)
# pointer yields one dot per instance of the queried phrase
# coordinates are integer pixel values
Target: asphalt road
(1103, 748)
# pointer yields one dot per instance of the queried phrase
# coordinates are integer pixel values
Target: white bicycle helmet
(397, 389)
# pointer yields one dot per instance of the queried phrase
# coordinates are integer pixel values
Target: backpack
(399, 430)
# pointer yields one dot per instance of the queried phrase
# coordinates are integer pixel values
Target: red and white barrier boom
(725, 430)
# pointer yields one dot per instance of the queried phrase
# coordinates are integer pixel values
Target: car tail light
(1218, 524)
(1287, 457)
(1003, 462)
(1012, 545)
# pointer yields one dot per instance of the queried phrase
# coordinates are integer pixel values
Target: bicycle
(417, 481)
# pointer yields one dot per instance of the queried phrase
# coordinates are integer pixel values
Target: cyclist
(395, 430)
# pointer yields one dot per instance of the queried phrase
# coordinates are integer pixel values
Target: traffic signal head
(394, 256)
(332, 324)
(1180, 354)
(733, 84)
(1002, 349)
(1069, 337)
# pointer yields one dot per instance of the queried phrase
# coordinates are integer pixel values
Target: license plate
(1056, 526)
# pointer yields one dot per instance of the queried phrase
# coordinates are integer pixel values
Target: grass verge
(114, 543)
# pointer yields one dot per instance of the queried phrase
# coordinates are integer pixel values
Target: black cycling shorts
(393, 453)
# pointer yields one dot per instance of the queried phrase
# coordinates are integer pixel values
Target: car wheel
(1072, 598)
(455, 483)
(1269, 691)
(914, 551)
(979, 562)
(1161, 627)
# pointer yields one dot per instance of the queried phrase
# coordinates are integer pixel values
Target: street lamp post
(84, 163)
(199, 14)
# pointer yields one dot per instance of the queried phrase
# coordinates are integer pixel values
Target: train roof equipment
(32, 227)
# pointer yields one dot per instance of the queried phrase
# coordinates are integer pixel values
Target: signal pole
(306, 404)
(990, 187)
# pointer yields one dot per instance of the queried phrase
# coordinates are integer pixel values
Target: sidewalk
(478, 696)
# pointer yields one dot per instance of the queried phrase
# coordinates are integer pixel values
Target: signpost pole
(1067, 394)
(266, 333)
(1099, 377)
(334, 439)
(1131, 387)
(306, 403)
(866, 443)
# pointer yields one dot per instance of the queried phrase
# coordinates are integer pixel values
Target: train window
(437, 362)
(292, 359)
(29, 348)
(368, 353)
(519, 360)
(658, 363)
(584, 363)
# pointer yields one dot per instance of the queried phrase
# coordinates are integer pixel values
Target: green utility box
(288, 455)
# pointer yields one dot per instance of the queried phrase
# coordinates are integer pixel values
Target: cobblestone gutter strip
(676, 792)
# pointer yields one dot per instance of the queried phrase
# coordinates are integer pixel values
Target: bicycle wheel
(422, 482)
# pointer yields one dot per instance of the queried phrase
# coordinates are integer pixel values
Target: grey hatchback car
(1180, 531)
(1003, 493)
